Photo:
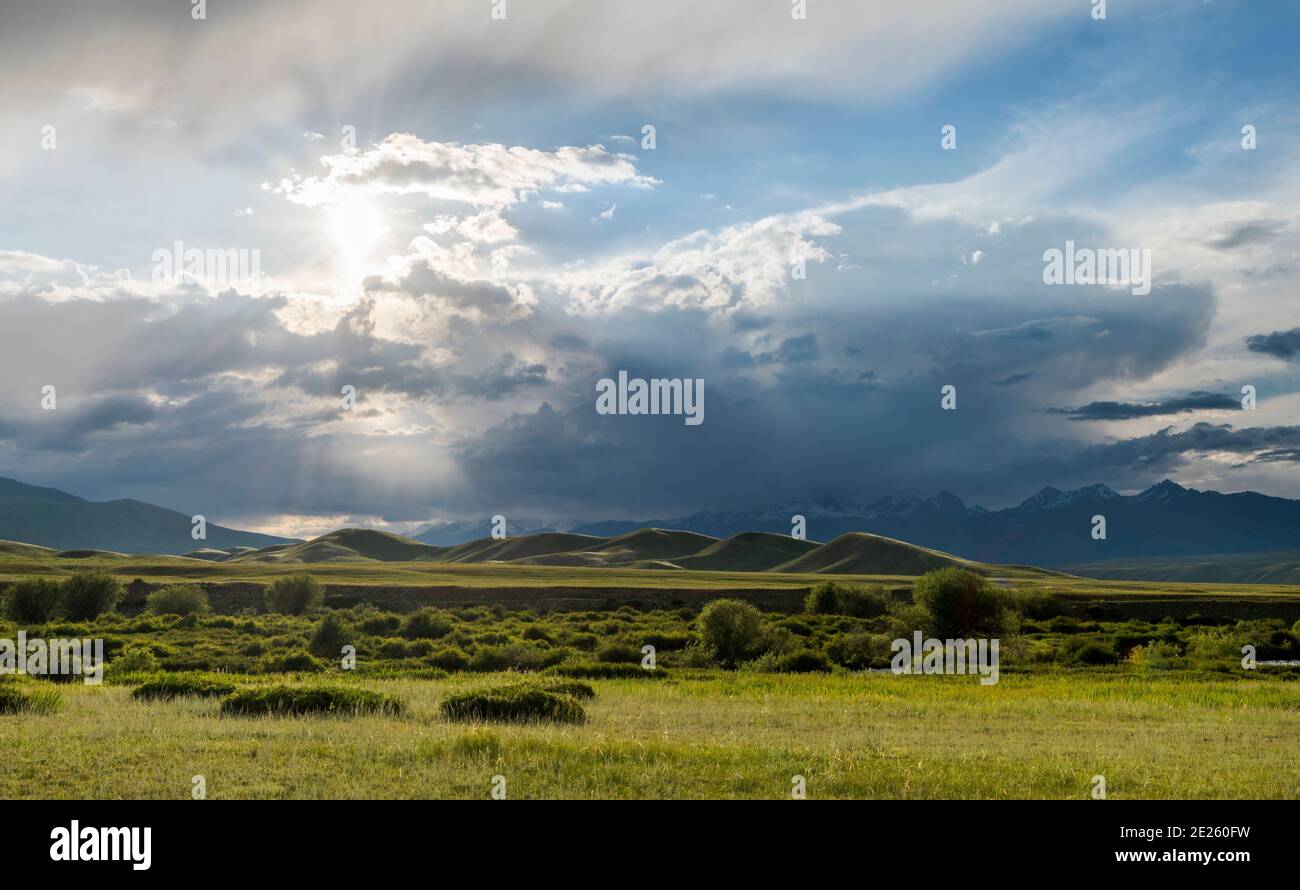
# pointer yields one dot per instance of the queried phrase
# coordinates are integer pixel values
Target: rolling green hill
(748, 552)
(521, 547)
(662, 549)
(346, 544)
(26, 551)
(858, 553)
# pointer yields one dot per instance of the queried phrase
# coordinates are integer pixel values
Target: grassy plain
(1186, 722)
(706, 734)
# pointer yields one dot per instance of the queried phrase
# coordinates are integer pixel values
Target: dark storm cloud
(1282, 344)
(1168, 447)
(1194, 401)
(1013, 379)
(68, 426)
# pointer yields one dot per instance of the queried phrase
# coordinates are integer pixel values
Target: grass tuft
(280, 701)
(522, 703)
(169, 687)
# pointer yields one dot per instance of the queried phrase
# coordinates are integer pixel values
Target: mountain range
(52, 518)
(1052, 528)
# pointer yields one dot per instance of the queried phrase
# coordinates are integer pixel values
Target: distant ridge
(1050, 528)
(52, 518)
(642, 549)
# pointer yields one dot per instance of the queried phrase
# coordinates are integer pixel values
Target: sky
(457, 212)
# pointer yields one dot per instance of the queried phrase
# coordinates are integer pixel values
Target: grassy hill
(658, 550)
(859, 553)
(521, 547)
(26, 551)
(748, 552)
(344, 545)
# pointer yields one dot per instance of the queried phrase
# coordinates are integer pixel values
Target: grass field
(710, 734)
(1139, 682)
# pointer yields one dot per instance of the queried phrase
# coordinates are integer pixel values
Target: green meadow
(313, 690)
(700, 735)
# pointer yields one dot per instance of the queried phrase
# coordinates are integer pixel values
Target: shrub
(292, 663)
(177, 685)
(512, 704)
(802, 661)
(520, 657)
(733, 629)
(299, 700)
(19, 698)
(861, 650)
(33, 601)
(665, 641)
(831, 598)
(135, 660)
(380, 624)
(960, 603)
(294, 595)
(329, 637)
(1154, 656)
(425, 624)
(178, 599)
(448, 659)
(1082, 651)
(87, 594)
(620, 653)
(606, 671)
(537, 632)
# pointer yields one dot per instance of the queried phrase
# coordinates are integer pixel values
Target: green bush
(33, 601)
(619, 653)
(380, 624)
(281, 701)
(22, 698)
(178, 685)
(178, 599)
(487, 659)
(860, 650)
(448, 659)
(426, 624)
(87, 594)
(733, 630)
(960, 603)
(512, 704)
(802, 661)
(294, 662)
(136, 659)
(1083, 651)
(832, 598)
(329, 638)
(294, 595)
